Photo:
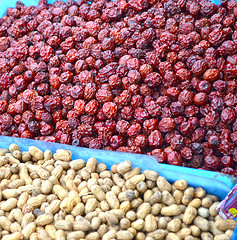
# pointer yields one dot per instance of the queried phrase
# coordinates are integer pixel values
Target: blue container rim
(213, 182)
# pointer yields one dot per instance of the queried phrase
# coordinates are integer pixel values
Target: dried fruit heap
(138, 76)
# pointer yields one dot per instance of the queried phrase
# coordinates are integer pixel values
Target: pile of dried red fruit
(142, 76)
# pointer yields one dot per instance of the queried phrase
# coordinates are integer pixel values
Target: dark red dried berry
(166, 125)
(212, 162)
(159, 155)
(174, 158)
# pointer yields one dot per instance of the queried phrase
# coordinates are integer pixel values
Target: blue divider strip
(194, 177)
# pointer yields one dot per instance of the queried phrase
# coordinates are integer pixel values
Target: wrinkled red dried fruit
(174, 158)
(212, 162)
(166, 125)
(155, 139)
(213, 141)
(110, 109)
(229, 171)
(227, 161)
(160, 155)
(211, 75)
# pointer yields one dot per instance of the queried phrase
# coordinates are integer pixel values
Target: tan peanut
(189, 215)
(124, 235)
(28, 230)
(151, 175)
(57, 171)
(133, 172)
(67, 204)
(112, 200)
(181, 184)
(174, 225)
(91, 165)
(75, 235)
(18, 215)
(214, 230)
(36, 153)
(9, 204)
(213, 209)
(143, 210)
(206, 236)
(63, 225)
(150, 223)
(124, 167)
(13, 147)
(202, 223)
(158, 234)
(11, 193)
(22, 200)
(63, 155)
(172, 236)
(60, 235)
(61, 192)
(167, 198)
(44, 219)
(13, 236)
(23, 173)
(109, 235)
(91, 205)
(5, 223)
(163, 184)
(16, 183)
(46, 187)
(43, 235)
(27, 188)
(54, 207)
(27, 218)
(171, 210)
(178, 195)
(200, 192)
(77, 164)
(225, 224)
(81, 224)
(36, 201)
(15, 227)
(188, 195)
(98, 192)
(79, 209)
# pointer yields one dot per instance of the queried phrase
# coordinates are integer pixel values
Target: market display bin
(213, 182)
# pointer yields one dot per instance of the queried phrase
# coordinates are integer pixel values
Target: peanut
(163, 184)
(36, 153)
(202, 223)
(171, 210)
(225, 224)
(63, 155)
(189, 215)
(181, 184)
(13, 236)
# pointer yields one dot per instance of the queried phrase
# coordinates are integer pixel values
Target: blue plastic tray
(212, 182)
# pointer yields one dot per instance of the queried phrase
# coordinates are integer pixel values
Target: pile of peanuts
(47, 196)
